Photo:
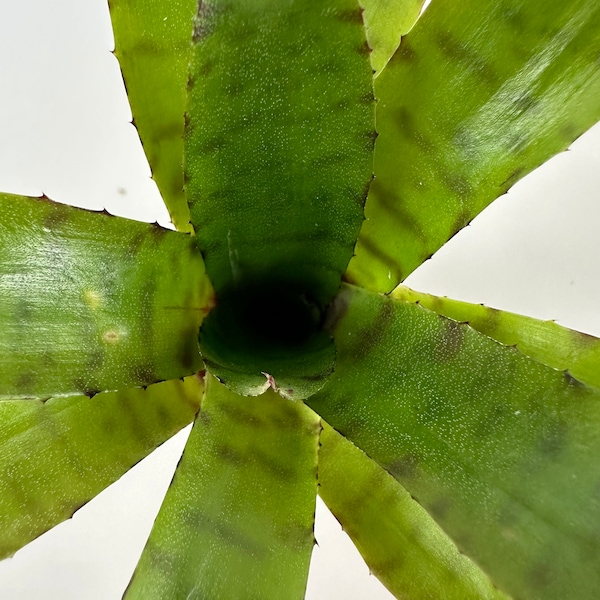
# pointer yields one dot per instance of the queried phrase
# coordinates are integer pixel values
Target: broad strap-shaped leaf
(91, 302)
(545, 341)
(477, 95)
(402, 545)
(385, 22)
(501, 450)
(279, 140)
(153, 44)
(56, 456)
(237, 521)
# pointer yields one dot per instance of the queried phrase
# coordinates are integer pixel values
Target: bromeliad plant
(457, 445)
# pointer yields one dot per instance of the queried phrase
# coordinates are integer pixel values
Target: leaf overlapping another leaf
(499, 448)
(476, 96)
(56, 456)
(400, 542)
(92, 302)
(242, 501)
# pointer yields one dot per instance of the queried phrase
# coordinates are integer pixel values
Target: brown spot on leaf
(354, 16)
(451, 340)
(554, 440)
(405, 467)
(439, 508)
(205, 21)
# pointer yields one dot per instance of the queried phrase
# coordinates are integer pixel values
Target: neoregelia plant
(475, 426)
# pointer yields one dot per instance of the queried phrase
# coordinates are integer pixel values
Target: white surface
(64, 131)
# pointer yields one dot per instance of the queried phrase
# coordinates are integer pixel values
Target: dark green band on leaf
(237, 521)
(56, 456)
(478, 94)
(152, 39)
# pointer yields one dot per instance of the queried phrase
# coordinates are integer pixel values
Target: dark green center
(269, 326)
(262, 317)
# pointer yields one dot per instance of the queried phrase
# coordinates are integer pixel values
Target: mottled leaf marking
(243, 496)
(153, 47)
(264, 150)
(400, 542)
(576, 354)
(105, 320)
(498, 100)
(50, 466)
(506, 445)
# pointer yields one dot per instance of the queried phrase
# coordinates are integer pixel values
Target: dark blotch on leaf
(404, 467)
(351, 16)
(451, 340)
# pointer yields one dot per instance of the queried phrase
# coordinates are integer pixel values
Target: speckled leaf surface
(153, 44)
(56, 456)
(402, 545)
(544, 341)
(477, 95)
(237, 521)
(385, 22)
(500, 449)
(92, 302)
(279, 139)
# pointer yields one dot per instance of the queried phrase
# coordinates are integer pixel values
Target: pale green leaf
(56, 456)
(402, 545)
(477, 95)
(237, 521)
(153, 43)
(545, 341)
(385, 22)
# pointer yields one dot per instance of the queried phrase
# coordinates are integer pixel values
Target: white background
(64, 131)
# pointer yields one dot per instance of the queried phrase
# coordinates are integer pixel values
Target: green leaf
(92, 302)
(153, 43)
(56, 456)
(545, 341)
(237, 521)
(279, 140)
(400, 542)
(385, 22)
(477, 95)
(500, 449)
